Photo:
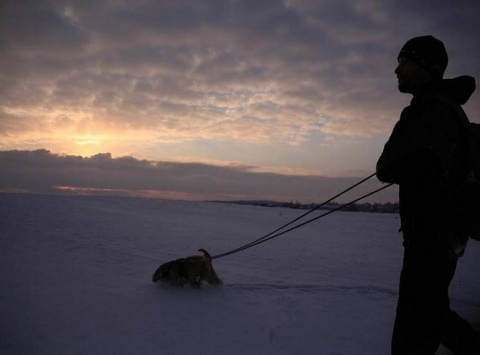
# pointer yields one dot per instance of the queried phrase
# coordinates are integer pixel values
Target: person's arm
(419, 146)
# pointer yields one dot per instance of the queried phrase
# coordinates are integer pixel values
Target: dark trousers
(424, 319)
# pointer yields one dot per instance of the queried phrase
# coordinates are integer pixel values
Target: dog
(192, 270)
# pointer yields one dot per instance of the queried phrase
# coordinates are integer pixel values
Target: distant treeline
(356, 207)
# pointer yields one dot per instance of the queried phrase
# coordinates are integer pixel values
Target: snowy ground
(75, 276)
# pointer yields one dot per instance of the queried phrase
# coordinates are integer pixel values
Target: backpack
(469, 190)
(468, 196)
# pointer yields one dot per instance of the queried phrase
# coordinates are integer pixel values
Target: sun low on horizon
(261, 127)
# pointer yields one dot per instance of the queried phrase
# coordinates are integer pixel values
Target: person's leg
(416, 329)
(456, 334)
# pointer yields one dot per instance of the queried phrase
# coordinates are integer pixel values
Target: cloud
(160, 64)
(41, 171)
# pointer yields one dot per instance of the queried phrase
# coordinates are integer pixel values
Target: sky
(229, 99)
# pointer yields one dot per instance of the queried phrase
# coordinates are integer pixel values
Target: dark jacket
(425, 156)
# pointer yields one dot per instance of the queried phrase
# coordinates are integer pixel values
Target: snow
(75, 276)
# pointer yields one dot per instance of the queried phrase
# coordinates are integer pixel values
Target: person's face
(411, 76)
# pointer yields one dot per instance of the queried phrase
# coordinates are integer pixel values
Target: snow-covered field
(75, 276)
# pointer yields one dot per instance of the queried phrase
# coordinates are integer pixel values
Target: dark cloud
(41, 171)
(38, 28)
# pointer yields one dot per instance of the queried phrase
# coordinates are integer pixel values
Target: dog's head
(206, 254)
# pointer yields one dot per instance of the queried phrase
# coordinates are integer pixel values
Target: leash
(276, 233)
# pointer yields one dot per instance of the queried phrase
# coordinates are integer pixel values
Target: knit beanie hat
(428, 52)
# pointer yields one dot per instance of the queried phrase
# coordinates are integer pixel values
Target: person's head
(421, 61)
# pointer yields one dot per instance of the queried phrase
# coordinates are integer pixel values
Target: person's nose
(397, 69)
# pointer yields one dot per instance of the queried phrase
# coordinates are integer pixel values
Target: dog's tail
(205, 253)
